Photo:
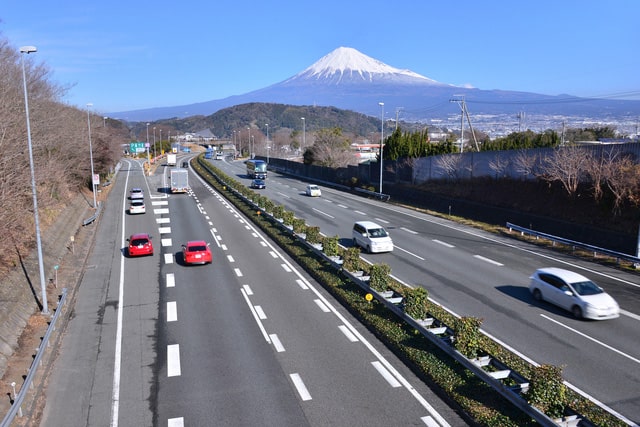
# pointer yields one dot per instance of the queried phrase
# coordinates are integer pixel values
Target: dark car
(185, 164)
(258, 183)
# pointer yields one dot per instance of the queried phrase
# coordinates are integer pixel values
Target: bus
(256, 169)
(208, 154)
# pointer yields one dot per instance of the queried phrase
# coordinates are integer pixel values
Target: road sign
(136, 147)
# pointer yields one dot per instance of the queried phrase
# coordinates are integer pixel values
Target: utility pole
(463, 106)
(397, 113)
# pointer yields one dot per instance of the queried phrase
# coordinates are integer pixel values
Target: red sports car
(197, 252)
(140, 244)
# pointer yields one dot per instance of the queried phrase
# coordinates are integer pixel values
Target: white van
(372, 237)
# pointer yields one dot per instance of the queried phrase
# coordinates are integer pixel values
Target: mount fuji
(348, 79)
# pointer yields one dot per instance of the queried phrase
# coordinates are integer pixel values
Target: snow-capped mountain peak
(348, 64)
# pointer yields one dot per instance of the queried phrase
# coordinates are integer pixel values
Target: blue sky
(127, 55)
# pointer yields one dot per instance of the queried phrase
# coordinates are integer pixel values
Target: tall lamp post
(304, 132)
(267, 125)
(381, 104)
(154, 139)
(148, 149)
(45, 307)
(249, 140)
(93, 186)
(154, 154)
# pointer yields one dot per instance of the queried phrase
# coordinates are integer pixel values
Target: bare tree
(499, 166)
(621, 177)
(567, 166)
(451, 165)
(526, 163)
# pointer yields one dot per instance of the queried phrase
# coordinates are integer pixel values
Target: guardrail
(16, 407)
(596, 250)
(94, 216)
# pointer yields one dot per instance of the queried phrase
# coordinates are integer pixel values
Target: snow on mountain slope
(346, 64)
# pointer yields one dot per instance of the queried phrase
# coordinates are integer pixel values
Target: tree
(567, 166)
(330, 149)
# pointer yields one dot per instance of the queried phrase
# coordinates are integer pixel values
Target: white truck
(179, 180)
(171, 159)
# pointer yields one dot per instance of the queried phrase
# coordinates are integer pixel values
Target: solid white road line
(260, 312)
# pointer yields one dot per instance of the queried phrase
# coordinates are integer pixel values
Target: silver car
(573, 292)
(136, 193)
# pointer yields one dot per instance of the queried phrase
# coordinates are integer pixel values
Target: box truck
(179, 180)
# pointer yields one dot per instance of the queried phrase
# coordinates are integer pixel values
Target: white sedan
(137, 207)
(573, 292)
(313, 191)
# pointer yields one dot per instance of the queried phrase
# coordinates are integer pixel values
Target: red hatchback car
(196, 252)
(140, 244)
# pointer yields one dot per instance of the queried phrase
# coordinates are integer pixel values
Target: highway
(247, 340)
(474, 273)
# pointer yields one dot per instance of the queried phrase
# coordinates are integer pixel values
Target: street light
(45, 308)
(93, 186)
(267, 125)
(154, 142)
(154, 154)
(148, 155)
(304, 132)
(249, 140)
(381, 104)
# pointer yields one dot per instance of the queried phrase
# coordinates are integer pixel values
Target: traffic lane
(228, 373)
(138, 304)
(83, 373)
(345, 379)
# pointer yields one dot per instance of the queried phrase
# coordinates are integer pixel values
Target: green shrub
(546, 391)
(468, 336)
(416, 302)
(299, 225)
(313, 234)
(379, 277)
(351, 259)
(330, 245)
(278, 211)
(287, 218)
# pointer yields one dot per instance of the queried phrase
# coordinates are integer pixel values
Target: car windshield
(377, 232)
(139, 242)
(197, 248)
(587, 288)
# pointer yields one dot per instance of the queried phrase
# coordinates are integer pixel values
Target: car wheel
(537, 295)
(355, 243)
(368, 249)
(576, 311)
